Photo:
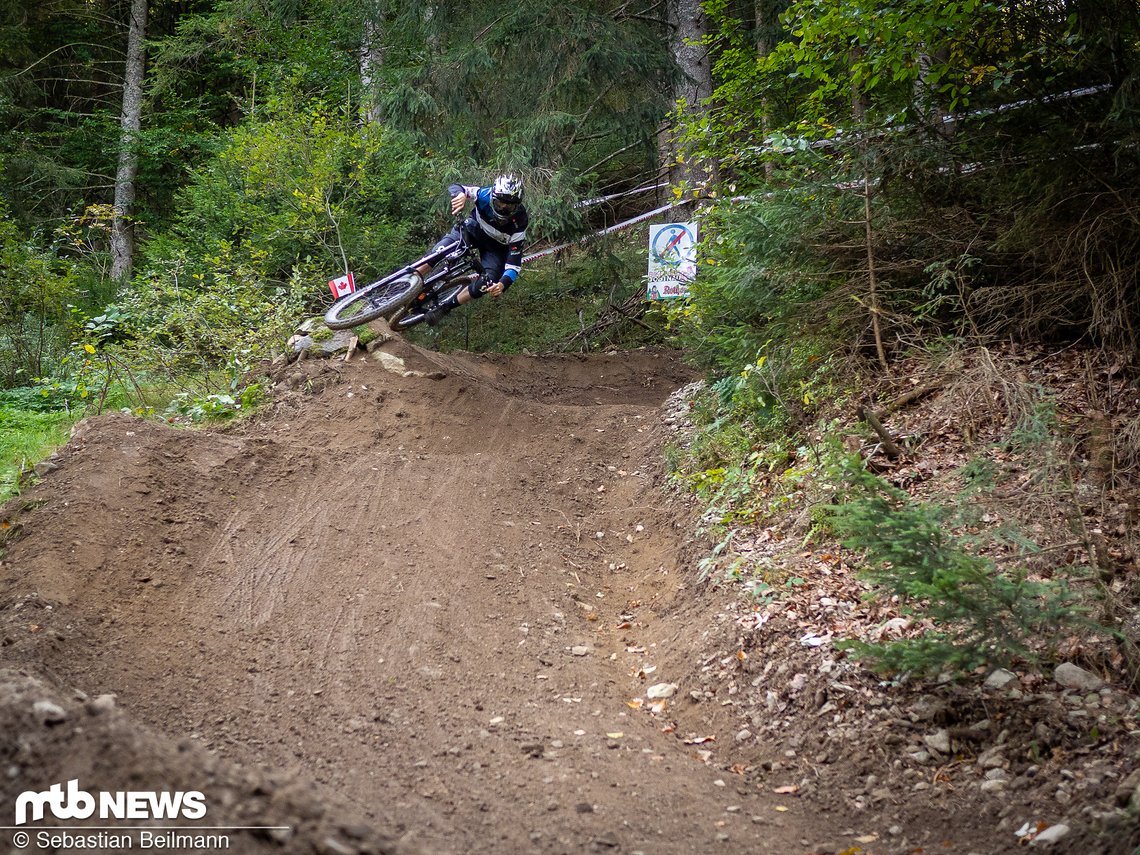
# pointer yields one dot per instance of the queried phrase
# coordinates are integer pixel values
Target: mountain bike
(401, 299)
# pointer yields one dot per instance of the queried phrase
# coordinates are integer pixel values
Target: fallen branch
(910, 397)
(889, 445)
(629, 310)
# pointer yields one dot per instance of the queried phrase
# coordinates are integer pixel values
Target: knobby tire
(373, 302)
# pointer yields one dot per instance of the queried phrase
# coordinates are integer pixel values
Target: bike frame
(455, 256)
(454, 266)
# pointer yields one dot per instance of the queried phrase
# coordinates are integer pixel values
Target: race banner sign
(342, 286)
(672, 260)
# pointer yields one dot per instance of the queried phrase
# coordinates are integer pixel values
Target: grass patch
(35, 421)
(27, 437)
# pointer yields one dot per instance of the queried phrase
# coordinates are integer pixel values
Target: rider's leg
(493, 260)
(493, 257)
(461, 298)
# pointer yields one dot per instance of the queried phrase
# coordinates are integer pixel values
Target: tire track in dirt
(398, 585)
(275, 569)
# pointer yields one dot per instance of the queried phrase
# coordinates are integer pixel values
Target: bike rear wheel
(413, 313)
(372, 302)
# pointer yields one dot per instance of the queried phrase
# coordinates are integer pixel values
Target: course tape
(949, 119)
(622, 225)
(850, 185)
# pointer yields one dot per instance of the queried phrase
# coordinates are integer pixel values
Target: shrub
(35, 286)
(981, 613)
(193, 321)
(304, 187)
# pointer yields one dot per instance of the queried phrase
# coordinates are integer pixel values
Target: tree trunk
(765, 18)
(122, 229)
(858, 113)
(688, 27)
(926, 99)
(371, 61)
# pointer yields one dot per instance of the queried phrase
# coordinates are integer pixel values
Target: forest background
(878, 185)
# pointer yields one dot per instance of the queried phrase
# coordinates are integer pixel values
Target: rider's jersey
(509, 231)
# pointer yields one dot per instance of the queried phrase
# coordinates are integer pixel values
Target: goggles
(505, 205)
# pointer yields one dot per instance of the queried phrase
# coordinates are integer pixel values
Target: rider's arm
(460, 194)
(454, 190)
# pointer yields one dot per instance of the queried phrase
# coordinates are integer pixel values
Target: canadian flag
(342, 285)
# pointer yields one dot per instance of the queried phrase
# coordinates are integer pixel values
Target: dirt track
(432, 596)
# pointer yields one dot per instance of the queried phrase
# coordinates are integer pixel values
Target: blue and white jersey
(509, 231)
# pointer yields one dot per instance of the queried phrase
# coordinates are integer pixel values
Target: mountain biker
(496, 227)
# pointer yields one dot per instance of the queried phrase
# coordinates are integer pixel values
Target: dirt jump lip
(406, 587)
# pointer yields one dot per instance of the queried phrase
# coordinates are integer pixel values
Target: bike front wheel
(372, 302)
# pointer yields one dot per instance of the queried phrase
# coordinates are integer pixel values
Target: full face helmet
(506, 194)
